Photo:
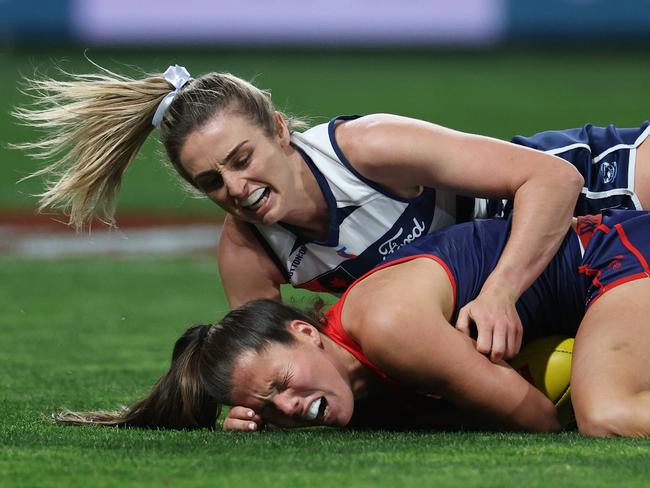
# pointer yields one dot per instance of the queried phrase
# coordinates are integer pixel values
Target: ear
(282, 130)
(305, 332)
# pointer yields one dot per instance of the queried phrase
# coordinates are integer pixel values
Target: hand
(242, 419)
(499, 328)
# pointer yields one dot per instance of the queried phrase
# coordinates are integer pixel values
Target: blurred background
(496, 67)
(87, 320)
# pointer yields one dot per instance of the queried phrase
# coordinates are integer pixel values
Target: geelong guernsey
(367, 224)
(604, 156)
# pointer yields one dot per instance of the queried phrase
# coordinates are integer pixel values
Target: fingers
(242, 419)
(505, 340)
(484, 342)
(514, 339)
(463, 321)
(499, 339)
(466, 317)
(499, 333)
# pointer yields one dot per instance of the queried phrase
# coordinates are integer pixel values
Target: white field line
(150, 241)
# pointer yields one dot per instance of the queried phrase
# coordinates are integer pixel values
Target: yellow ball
(546, 363)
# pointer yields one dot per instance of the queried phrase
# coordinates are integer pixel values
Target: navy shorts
(606, 158)
(616, 247)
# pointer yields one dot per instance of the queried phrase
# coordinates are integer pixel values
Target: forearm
(543, 210)
(535, 413)
(501, 399)
(441, 360)
(246, 278)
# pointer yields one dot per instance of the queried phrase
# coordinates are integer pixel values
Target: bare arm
(246, 270)
(407, 334)
(404, 154)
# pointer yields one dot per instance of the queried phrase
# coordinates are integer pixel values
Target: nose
(235, 184)
(288, 404)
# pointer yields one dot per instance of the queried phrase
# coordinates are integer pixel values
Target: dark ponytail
(198, 383)
(177, 400)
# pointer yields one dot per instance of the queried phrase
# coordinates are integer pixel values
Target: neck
(309, 210)
(362, 381)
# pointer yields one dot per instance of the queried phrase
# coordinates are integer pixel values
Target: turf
(93, 335)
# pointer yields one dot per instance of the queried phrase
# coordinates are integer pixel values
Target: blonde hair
(95, 124)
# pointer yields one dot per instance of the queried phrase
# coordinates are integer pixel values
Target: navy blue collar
(332, 237)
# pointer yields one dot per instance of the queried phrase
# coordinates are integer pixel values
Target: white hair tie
(177, 76)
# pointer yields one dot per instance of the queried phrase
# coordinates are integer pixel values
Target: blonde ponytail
(94, 126)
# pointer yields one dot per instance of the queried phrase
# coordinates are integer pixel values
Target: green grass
(92, 335)
(499, 93)
(89, 334)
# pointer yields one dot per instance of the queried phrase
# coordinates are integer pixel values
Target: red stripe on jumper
(616, 283)
(603, 228)
(586, 226)
(586, 270)
(626, 242)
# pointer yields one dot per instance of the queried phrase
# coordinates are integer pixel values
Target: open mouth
(317, 410)
(255, 199)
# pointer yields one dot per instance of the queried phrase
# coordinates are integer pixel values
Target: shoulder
(379, 147)
(236, 234)
(361, 139)
(399, 322)
(388, 302)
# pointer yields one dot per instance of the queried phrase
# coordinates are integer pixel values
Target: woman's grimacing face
(294, 385)
(241, 168)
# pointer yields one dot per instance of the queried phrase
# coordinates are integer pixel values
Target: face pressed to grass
(294, 385)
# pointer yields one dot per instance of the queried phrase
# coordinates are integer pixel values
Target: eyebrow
(234, 150)
(229, 156)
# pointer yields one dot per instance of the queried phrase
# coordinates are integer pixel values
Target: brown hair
(95, 124)
(199, 380)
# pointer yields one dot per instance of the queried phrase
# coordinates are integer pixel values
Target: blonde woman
(319, 208)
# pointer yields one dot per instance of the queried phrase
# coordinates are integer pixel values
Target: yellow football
(546, 363)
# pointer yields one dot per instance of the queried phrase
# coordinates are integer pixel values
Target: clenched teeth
(312, 412)
(254, 197)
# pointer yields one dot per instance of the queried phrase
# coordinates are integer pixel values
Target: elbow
(549, 421)
(576, 180)
(561, 177)
(537, 414)
(570, 178)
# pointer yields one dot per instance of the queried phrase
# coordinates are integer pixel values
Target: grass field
(93, 334)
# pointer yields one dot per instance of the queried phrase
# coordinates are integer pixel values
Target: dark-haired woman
(320, 208)
(390, 336)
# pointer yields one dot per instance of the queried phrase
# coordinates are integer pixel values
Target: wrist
(499, 283)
